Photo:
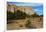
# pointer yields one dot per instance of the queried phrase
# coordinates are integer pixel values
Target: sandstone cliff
(26, 9)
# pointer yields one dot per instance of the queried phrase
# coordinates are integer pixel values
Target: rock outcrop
(26, 9)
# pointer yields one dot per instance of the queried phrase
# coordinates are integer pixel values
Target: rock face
(26, 9)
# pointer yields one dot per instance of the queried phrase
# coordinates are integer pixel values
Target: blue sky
(38, 7)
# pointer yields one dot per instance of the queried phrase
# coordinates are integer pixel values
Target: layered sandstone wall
(26, 9)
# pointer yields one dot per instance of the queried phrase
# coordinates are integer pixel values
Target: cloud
(28, 4)
(25, 4)
(38, 11)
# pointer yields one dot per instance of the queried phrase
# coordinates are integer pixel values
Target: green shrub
(16, 15)
(28, 25)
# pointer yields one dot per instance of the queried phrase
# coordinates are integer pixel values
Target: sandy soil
(36, 22)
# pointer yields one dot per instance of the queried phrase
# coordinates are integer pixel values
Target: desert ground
(28, 23)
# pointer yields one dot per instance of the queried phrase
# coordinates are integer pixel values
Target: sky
(37, 7)
(34, 1)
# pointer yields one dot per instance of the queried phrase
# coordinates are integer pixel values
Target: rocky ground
(28, 23)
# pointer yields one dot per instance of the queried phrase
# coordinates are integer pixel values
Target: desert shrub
(41, 15)
(28, 25)
(10, 15)
(20, 15)
(16, 15)
(35, 15)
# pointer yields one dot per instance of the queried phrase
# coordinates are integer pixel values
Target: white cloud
(39, 12)
(26, 4)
